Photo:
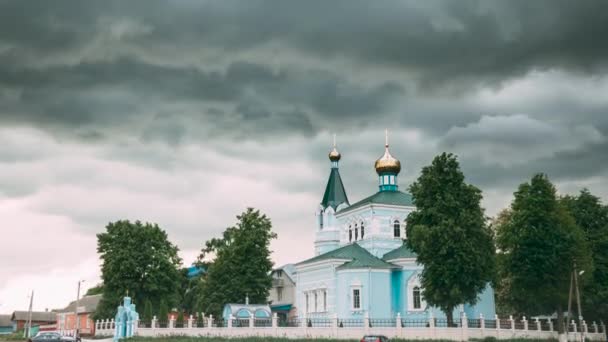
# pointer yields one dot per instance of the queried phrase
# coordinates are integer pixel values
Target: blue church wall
(397, 292)
(375, 293)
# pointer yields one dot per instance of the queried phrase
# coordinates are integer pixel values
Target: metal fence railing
(414, 323)
(474, 323)
(383, 323)
(289, 322)
(262, 322)
(350, 323)
(504, 323)
(490, 323)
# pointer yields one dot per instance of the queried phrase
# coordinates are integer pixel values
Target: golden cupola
(387, 163)
(334, 155)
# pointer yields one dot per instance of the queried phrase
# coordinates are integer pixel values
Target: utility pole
(569, 301)
(77, 332)
(578, 302)
(27, 332)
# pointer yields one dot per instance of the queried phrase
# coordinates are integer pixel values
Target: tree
(137, 259)
(147, 316)
(592, 217)
(95, 290)
(163, 311)
(449, 234)
(241, 266)
(539, 244)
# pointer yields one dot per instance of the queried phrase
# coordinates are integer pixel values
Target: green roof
(402, 252)
(383, 197)
(358, 257)
(334, 191)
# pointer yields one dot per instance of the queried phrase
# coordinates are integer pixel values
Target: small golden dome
(387, 163)
(334, 155)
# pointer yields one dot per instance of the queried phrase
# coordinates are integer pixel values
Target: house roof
(399, 253)
(37, 316)
(383, 197)
(289, 270)
(334, 191)
(88, 302)
(356, 256)
(5, 321)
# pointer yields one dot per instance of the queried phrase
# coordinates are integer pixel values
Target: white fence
(432, 328)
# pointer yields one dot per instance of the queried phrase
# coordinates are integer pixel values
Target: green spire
(334, 191)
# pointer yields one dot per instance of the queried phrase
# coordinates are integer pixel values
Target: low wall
(333, 328)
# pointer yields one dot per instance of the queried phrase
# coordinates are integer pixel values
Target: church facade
(361, 265)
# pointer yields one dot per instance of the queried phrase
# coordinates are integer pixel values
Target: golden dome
(387, 163)
(334, 155)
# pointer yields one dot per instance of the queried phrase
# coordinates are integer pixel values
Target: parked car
(48, 336)
(374, 338)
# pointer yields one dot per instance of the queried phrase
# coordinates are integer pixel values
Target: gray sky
(186, 112)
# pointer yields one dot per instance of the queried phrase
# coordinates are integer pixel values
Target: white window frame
(352, 299)
(414, 290)
(411, 285)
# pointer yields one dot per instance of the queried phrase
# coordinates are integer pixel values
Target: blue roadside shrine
(125, 320)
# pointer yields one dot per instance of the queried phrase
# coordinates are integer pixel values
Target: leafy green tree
(241, 266)
(147, 316)
(539, 244)
(95, 290)
(449, 234)
(592, 216)
(163, 311)
(180, 319)
(137, 259)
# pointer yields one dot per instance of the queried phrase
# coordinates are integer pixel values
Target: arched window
(350, 233)
(396, 229)
(356, 232)
(362, 231)
(416, 297)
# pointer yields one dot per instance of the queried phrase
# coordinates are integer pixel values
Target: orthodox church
(361, 264)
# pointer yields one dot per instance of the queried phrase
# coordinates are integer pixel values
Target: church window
(396, 229)
(392, 179)
(385, 179)
(356, 299)
(350, 234)
(316, 310)
(362, 231)
(356, 232)
(324, 300)
(416, 298)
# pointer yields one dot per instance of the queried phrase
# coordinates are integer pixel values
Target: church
(361, 265)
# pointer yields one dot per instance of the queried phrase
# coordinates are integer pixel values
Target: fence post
(210, 320)
(153, 323)
(573, 326)
(171, 323)
(525, 323)
(464, 326)
(594, 327)
(550, 324)
(252, 321)
(366, 322)
(304, 322)
(334, 324)
(398, 324)
(229, 323)
(190, 322)
(482, 322)
(603, 327)
(497, 320)
(275, 320)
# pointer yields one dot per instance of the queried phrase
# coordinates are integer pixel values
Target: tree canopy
(137, 259)
(592, 217)
(539, 244)
(449, 234)
(241, 266)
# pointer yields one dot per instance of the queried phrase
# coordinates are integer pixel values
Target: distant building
(195, 271)
(282, 295)
(6, 325)
(66, 318)
(20, 318)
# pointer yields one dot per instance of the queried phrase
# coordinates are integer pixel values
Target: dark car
(374, 338)
(53, 337)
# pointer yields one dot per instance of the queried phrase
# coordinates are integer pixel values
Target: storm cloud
(186, 112)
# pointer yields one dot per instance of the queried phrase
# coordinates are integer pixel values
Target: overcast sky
(184, 113)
